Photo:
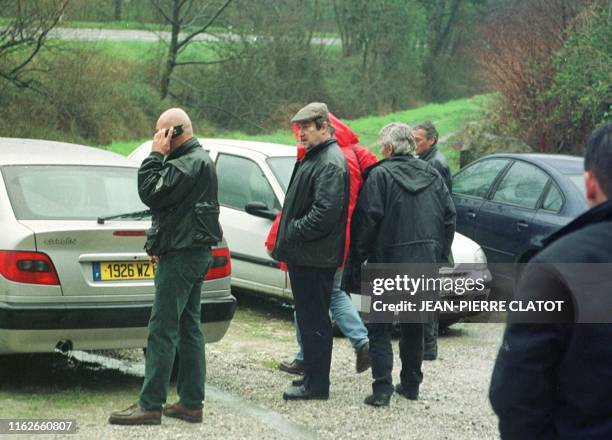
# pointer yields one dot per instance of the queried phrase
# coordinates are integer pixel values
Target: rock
(477, 140)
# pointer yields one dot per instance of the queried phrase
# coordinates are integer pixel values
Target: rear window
(71, 192)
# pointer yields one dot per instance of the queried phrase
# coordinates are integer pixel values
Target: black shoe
(378, 399)
(297, 382)
(301, 393)
(294, 367)
(362, 363)
(410, 392)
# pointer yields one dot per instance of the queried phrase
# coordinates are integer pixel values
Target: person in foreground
(404, 214)
(178, 182)
(310, 240)
(553, 380)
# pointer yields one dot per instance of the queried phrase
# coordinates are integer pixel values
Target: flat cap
(312, 111)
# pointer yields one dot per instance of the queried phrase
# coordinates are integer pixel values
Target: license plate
(123, 270)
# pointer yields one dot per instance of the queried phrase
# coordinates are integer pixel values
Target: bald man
(178, 182)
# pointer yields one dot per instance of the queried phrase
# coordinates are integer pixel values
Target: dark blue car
(508, 202)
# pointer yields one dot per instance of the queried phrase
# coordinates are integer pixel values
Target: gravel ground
(244, 390)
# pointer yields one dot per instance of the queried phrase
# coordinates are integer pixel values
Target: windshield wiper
(137, 214)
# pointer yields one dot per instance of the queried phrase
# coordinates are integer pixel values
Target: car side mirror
(260, 209)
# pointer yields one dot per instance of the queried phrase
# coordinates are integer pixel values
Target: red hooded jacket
(358, 159)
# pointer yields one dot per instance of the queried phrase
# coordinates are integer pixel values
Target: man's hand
(161, 141)
(155, 260)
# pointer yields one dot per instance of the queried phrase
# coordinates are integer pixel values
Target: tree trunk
(118, 9)
(172, 51)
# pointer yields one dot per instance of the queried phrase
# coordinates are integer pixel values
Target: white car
(253, 178)
(69, 280)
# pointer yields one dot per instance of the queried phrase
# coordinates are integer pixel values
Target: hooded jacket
(181, 191)
(311, 231)
(404, 214)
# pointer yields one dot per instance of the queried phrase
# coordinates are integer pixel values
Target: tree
(118, 9)
(448, 39)
(383, 35)
(523, 42)
(25, 35)
(191, 16)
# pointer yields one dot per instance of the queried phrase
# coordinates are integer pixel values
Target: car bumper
(36, 328)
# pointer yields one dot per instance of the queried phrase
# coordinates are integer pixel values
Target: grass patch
(448, 118)
(139, 51)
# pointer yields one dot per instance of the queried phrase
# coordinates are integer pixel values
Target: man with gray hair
(404, 215)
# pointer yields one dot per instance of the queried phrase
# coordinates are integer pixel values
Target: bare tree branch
(25, 35)
(201, 30)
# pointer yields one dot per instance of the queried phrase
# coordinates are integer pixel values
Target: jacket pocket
(206, 221)
(151, 243)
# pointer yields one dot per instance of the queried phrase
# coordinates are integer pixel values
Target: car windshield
(578, 180)
(71, 192)
(282, 167)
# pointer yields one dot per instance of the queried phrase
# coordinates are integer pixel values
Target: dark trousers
(311, 288)
(431, 336)
(381, 356)
(175, 326)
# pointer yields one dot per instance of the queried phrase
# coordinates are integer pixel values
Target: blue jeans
(344, 313)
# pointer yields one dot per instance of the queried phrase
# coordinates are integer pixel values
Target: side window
(241, 181)
(475, 180)
(522, 185)
(553, 200)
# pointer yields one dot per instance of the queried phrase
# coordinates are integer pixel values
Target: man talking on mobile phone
(178, 182)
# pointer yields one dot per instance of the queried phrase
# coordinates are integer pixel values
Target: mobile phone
(176, 132)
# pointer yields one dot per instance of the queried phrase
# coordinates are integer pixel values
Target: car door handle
(521, 224)
(471, 215)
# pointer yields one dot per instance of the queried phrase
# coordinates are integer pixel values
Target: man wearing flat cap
(311, 238)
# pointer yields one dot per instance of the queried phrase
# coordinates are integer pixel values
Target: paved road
(77, 34)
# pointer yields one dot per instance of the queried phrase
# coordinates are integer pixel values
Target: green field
(447, 117)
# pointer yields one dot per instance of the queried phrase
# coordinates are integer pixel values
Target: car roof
(266, 148)
(17, 151)
(563, 163)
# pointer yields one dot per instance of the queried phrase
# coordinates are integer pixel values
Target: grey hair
(399, 135)
(429, 129)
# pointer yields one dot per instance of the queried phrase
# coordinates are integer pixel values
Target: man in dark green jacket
(178, 182)
(426, 138)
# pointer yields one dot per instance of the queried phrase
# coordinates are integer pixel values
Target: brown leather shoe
(135, 415)
(178, 411)
(294, 367)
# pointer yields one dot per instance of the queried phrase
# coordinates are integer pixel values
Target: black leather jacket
(313, 222)
(181, 191)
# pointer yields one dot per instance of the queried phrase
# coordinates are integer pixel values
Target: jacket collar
(597, 214)
(320, 147)
(185, 148)
(429, 154)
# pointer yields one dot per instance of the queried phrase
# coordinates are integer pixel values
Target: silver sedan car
(253, 178)
(70, 279)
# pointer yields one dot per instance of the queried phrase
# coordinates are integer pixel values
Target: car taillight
(221, 265)
(28, 267)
